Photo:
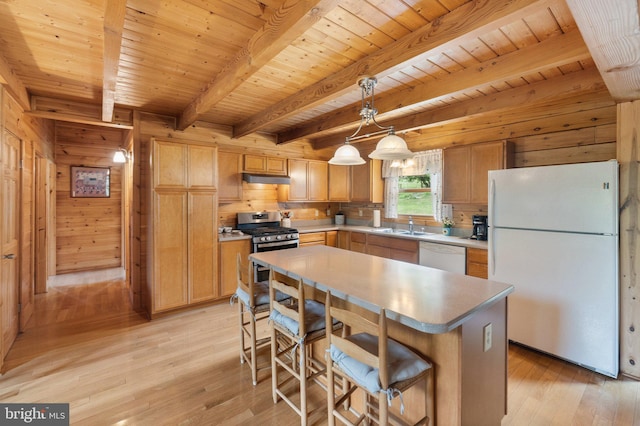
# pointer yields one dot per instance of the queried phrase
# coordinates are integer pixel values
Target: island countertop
(425, 299)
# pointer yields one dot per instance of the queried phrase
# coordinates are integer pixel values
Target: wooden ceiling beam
(114, 14)
(553, 52)
(13, 85)
(469, 20)
(78, 112)
(285, 25)
(545, 91)
(612, 33)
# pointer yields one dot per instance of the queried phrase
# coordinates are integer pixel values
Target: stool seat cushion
(403, 363)
(314, 317)
(260, 294)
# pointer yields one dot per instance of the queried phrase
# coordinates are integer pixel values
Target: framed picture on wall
(90, 182)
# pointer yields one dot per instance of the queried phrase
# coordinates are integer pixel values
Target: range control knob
(278, 237)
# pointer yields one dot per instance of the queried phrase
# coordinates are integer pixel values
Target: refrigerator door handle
(492, 196)
(492, 266)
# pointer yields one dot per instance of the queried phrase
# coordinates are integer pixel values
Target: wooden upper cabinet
(170, 165)
(339, 183)
(367, 184)
(229, 176)
(309, 181)
(466, 168)
(298, 172)
(202, 166)
(455, 182)
(179, 165)
(318, 180)
(265, 164)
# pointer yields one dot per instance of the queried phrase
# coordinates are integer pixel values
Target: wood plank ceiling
(290, 67)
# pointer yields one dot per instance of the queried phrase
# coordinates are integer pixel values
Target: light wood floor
(85, 346)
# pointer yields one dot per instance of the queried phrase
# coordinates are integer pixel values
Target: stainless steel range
(267, 235)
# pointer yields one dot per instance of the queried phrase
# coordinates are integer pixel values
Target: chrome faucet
(410, 225)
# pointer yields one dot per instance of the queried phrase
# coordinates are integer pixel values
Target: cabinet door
(277, 166)
(332, 238)
(228, 252)
(255, 163)
(318, 181)
(344, 240)
(298, 170)
(339, 183)
(229, 176)
(170, 288)
(477, 263)
(366, 182)
(202, 166)
(455, 183)
(484, 157)
(358, 242)
(169, 165)
(203, 246)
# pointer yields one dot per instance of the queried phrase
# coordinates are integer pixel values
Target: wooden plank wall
(88, 229)
(629, 159)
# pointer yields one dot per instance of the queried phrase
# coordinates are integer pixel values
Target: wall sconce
(120, 156)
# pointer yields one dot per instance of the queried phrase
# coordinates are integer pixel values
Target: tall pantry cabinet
(183, 234)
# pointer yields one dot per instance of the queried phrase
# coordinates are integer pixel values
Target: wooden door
(9, 284)
(170, 250)
(40, 249)
(27, 227)
(203, 246)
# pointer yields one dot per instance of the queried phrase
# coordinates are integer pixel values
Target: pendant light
(390, 147)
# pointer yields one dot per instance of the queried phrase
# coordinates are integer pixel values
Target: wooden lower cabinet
(313, 239)
(477, 263)
(344, 240)
(358, 242)
(332, 238)
(185, 249)
(228, 250)
(393, 248)
(328, 238)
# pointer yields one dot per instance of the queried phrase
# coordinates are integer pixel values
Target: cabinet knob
(9, 256)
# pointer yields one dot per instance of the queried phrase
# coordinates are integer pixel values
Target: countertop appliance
(554, 236)
(266, 234)
(480, 227)
(443, 256)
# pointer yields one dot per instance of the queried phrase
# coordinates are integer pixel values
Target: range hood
(257, 178)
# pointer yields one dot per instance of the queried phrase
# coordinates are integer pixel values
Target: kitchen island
(443, 315)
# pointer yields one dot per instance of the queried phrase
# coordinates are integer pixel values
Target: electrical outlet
(317, 213)
(487, 337)
(360, 212)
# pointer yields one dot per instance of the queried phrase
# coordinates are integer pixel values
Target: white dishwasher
(443, 256)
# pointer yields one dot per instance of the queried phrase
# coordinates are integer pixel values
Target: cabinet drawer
(312, 237)
(479, 270)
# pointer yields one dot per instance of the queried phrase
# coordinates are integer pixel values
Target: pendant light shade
(391, 147)
(347, 155)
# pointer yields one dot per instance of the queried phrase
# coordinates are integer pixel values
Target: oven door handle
(284, 244)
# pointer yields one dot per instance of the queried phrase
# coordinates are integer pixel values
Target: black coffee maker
(480, 228)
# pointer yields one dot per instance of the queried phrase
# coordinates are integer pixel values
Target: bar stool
(253, 307)
(371, 361)
(294, 328)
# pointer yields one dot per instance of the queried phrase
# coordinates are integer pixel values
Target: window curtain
(425, 162)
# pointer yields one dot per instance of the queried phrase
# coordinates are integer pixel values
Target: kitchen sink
(400, 232)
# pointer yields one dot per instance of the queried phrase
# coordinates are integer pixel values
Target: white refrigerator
(553, 235)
